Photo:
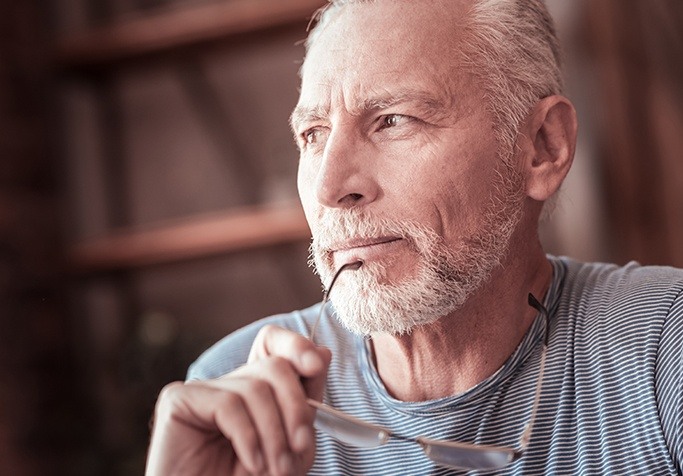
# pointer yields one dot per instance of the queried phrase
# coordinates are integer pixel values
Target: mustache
(337, 227)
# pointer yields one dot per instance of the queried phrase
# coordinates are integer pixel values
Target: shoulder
(629, 289)
(623, 311)
(233, 350)
(618, 349)
(615, 275)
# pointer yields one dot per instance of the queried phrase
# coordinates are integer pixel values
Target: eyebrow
(430, 103)
(303, 114)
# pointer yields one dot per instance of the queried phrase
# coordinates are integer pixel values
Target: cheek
(300, 181)
(304, 180)
(306, 190)
(454, 195)
(433, 174)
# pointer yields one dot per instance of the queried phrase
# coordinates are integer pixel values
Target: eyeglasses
(356, 432)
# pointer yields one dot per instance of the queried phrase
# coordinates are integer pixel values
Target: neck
(475, 340)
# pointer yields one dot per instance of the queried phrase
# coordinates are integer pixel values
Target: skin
(398, 132)
(385, 124)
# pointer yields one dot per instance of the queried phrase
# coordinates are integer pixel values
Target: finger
(275, 399)
(241, 470)
(314, 386)
(278, 377)
(289, 391)
(309, 360)
(268, 414)
(306, 357)
(253, 418)
(190, 421)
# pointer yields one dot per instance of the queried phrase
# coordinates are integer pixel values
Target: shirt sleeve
(233, 350)
(669, 381)
(225, 355)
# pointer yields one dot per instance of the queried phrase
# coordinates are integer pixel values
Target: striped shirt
(612, 398)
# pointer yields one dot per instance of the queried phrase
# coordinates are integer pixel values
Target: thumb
(309, 360)
(314, 385)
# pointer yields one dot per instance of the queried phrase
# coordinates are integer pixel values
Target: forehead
(372, 48)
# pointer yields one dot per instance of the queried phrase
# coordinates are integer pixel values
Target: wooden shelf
(176, 29)
(192, 238)
(168, 32)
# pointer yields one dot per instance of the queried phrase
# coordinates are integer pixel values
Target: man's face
(399, 166)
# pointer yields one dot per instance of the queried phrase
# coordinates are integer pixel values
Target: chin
(366, 302)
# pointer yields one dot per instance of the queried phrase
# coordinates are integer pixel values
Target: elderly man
(431, 134)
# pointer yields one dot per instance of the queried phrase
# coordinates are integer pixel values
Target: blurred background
(148, 200)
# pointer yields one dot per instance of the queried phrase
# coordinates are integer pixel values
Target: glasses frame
(356, 432)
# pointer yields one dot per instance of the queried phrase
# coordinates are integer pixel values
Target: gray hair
(510, 46)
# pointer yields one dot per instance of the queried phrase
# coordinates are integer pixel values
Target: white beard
(366, 303)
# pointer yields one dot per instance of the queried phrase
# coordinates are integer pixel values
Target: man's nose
(346, 176)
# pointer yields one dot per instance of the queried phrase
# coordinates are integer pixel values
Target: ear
(548, 145)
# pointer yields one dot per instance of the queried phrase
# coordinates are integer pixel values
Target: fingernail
(311, 361)
(302, 440)
(286, 464)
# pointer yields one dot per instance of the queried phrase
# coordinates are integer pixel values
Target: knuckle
(266, 332)
(230, 400)
(171, 401)
(279, 339)
(268, 329)
(171, 393)
(256, 386)
(279, 364)
(262, 345)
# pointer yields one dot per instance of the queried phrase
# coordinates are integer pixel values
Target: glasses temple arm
(354, 265)
(526, 435)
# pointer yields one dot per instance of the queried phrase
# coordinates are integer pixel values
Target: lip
(365, 249)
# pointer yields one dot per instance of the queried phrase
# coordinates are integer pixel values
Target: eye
(392, 120)
(311, 136)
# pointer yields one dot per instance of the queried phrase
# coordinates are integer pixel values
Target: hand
(254, 420)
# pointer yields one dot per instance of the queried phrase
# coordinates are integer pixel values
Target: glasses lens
(468, 456)
(347, 429)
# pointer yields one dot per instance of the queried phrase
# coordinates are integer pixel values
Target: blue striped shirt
(612, 399)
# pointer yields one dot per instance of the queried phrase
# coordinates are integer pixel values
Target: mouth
(365, 249)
